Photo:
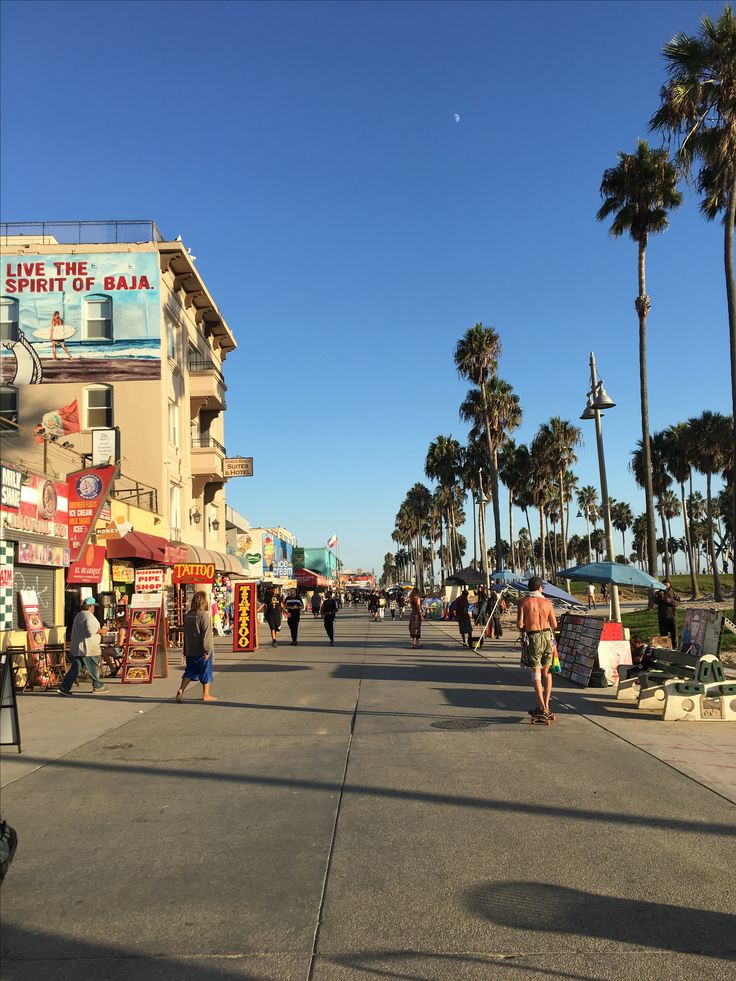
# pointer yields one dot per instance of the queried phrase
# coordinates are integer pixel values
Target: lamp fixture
(589, 411)
(603, 400)
(215, 524)
(195, 514)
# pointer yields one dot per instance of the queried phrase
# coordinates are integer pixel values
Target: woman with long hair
(199, 647)
(415, 617)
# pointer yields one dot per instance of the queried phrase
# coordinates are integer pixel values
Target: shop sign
(174, 554)
(283, 569)
(145, 644)
(297, 558)
(31, 553)
(192, 573)
(105, 446)
(238, 466)
(11, 482)
(32, 616)
(88, 491)
(245, 635)
(88, 567)
(149, 580)
(6, 576)
(121, 572)
(38, 506)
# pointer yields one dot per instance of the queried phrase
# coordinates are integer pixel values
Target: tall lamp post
(598, 400)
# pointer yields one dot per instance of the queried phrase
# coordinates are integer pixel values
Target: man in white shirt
(84, 649)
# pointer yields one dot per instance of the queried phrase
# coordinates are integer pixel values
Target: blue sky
(350, 230)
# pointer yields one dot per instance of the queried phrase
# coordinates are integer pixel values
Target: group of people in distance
(394, 601)
(486, 614)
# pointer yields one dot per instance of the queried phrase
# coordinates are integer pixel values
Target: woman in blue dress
(198, 647)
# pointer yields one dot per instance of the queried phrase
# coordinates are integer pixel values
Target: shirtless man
(535, 622)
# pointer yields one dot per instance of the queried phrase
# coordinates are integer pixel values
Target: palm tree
(560, 439)
(476, 358)
(661, 480)
(443, 464)
(638, 193)
(622, 519)
(712, 453)
(698, 112)
(541, 488)
(511, 474)
(588, 504)
(677, 450)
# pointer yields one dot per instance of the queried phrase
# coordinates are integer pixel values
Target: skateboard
(544, 721)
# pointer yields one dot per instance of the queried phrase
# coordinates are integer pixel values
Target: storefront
(307, 580)
(220, 586)
(34, 550)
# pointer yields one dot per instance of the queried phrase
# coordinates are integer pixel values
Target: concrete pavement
(360, 811)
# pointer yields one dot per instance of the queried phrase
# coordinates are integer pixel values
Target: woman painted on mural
(58, 334)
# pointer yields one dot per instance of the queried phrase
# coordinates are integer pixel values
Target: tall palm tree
(542, 485)
(713, 453)
(638, 193)
(476, 358)
(587, 499)
(677, 450)
(622, 518)
(560, 439)
(698, 112)
(443, 464)
(510, 472)
(661, 480)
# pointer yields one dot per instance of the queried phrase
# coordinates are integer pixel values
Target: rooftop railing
(79, 232)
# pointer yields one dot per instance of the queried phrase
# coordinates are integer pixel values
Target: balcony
(207, 457)
(206, 386)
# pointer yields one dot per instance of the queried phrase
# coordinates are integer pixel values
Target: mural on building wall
(80, 318)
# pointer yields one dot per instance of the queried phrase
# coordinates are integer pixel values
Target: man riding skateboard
(535, 622)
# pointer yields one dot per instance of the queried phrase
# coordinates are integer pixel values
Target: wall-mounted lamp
(215, 524)
(195, 514)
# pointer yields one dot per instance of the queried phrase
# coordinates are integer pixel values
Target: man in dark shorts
(329, 612)
(272, 610)
(294, 607)
(666, 601)
(536, 622)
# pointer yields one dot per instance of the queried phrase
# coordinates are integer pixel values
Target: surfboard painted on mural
(80, 318)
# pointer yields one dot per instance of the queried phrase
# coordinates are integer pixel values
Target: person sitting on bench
(641, 655)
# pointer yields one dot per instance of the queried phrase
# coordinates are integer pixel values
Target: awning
(223, 561)
(305, 577)
(138, 545)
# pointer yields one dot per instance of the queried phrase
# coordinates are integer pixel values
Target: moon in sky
(456, 116)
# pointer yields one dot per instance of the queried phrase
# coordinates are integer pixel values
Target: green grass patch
(644, 623)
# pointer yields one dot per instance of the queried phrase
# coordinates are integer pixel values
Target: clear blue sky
(350, 230)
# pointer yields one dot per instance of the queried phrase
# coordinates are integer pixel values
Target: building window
(9, 410)
(174, 510)
(98, 407)
(98, 318)
(8, 319)
(173, 423)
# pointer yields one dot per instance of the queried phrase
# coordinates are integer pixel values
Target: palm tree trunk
(531, 540)
(511, 529)
(643, 304)
(666, 549)
(717, 596)
(623, 541)
(587, 525)
(494, 472)
(689, 546)
(728, 260)
(542, 542)
(442, 563)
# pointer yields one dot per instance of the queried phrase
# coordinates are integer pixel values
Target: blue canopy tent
(615, 572)
(548, 590)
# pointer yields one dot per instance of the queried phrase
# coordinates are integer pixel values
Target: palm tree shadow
(544, 907)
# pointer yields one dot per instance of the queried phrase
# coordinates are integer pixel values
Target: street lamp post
(482, 502)
(598, 399)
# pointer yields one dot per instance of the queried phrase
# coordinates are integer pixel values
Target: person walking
(316, 603)
(666, 601)
(462, 615)
(400, 603)
(294, 607)
(382, 606)
(85, 649)
(590, 593)
(199, 647)
(329, 612)
(498, 604)
(272, 608)
(536, 622)
(392, 606)
(415, 618)
(482, 609)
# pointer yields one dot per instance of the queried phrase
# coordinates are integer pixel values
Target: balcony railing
(207, 443)
(134, 492)
(204, 366)
(81, 232)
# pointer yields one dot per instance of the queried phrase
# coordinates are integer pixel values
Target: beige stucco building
(129, 332)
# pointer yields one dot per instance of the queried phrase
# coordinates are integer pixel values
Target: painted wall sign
(194, 572)
(88, 491)
(42, 505)
(11, 482)
(84, 317)
(122, 572)
(31, 553)
(245, 625)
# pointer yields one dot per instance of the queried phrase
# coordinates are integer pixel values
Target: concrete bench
(708, 698)
(666, 664)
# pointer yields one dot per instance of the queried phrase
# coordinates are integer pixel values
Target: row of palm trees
(697, 117)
